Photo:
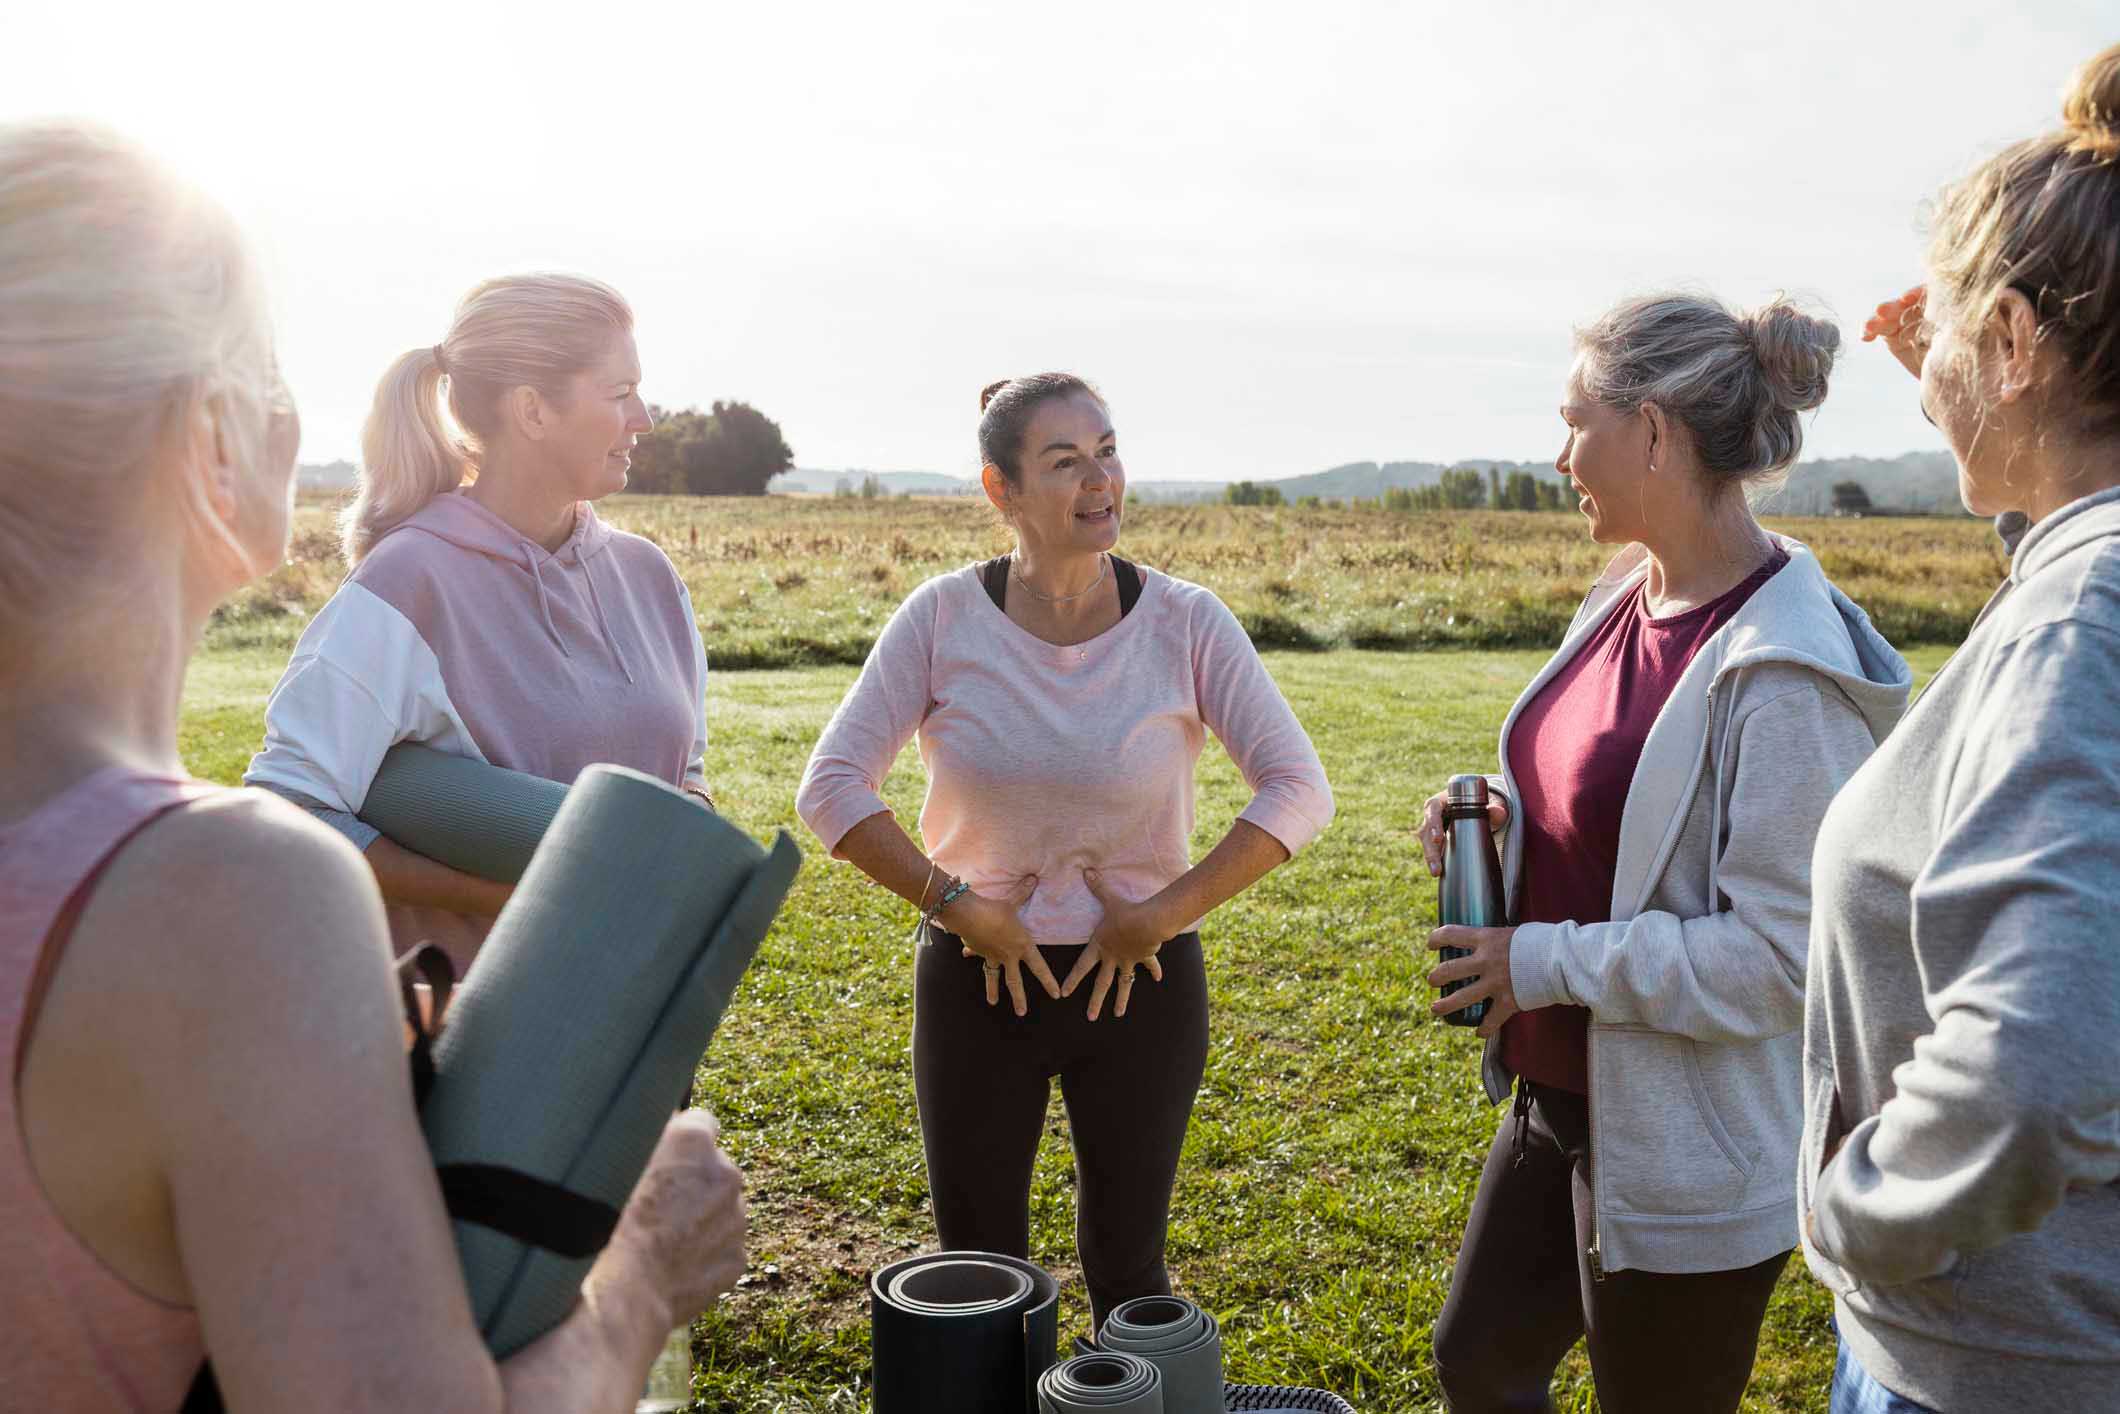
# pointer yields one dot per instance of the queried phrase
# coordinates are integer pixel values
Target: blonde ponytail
(408, 456)
(534, 331)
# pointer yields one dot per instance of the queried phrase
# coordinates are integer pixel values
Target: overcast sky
(1280, 236)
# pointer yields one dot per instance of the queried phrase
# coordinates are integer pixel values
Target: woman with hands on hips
(1661, 782)
(1061, 696)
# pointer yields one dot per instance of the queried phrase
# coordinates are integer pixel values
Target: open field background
(786, 582)
(1339, 1130)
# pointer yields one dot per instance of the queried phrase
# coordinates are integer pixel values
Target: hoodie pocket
(1663, 1149)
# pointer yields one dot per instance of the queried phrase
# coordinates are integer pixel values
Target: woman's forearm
(880, 848)
(408, 878)
(1244, 856)
(597, 1359)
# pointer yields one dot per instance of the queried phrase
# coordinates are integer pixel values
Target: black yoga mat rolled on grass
(962, 1333)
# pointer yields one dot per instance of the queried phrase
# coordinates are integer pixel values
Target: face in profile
(1073, 487)
(591, 438)
(1606, 456)
(1950, 396)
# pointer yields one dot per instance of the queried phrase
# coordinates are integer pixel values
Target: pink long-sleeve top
(1047, 759)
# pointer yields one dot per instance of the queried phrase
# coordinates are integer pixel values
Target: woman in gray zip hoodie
(1961, 1160)
(1662, 779)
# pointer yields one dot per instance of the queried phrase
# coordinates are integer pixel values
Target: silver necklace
(1017, 575)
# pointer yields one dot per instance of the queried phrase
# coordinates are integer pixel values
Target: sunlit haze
(1280, 236)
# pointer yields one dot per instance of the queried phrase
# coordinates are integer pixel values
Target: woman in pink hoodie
(490, 613)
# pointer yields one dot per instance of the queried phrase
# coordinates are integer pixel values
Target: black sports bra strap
(994, 575)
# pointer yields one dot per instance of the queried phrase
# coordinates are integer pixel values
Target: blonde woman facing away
(1961, 1159)
(490, 612)
(207, 1142)
(1662, 779)
(1061, 696)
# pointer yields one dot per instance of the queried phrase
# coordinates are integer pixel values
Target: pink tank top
(73, 1334)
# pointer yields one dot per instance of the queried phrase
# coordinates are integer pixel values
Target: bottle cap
(1467, 790)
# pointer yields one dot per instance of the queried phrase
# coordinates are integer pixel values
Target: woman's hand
(1489, 962)
(682, 1231)
(1902, 324)
(1128, 936)
(993, 931)
(1430, 829)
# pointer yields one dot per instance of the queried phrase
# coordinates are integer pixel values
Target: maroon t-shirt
(1572, 754)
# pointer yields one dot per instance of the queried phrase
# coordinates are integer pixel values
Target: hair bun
(1796, 352)
(2090, 110)
(986, 394)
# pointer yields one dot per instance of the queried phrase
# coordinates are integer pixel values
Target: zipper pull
(1597, 1263)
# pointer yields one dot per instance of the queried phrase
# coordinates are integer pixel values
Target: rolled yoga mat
(484, 820)
(585, 1017)
(1102, 1384)
(1178, 1338)
(962, 1333)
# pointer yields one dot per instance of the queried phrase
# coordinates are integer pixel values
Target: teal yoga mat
(481, 819)
(580, 1025)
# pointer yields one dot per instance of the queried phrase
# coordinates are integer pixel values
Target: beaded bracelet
(951, 892)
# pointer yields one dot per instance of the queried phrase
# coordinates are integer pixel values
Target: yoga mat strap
(526, 1208)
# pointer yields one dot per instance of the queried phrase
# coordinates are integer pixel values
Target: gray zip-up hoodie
(1962, 1032)
(1696, 985)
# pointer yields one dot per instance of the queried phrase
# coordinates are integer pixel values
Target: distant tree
(1494, 489)
(1520, 493)
(842, 487)
(732, 449)
(1251, 493)
(1308, 503)
(871, 487)
(1849, 499)
(1549, 495)
(1463, 490)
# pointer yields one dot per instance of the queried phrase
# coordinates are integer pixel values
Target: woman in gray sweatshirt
(1962, 1030)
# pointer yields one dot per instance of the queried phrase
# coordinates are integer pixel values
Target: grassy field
(786, 582)
(1339, 1130)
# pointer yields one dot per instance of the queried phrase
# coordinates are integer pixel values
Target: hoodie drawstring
(544, 600)
(1520, 1146)
(596, 601)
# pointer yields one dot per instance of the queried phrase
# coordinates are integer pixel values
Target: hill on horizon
(1917, 482)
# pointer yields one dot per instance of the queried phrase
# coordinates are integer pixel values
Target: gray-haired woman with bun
(1661, 781)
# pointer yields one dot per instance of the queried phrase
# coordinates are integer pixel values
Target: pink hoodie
(460, 633)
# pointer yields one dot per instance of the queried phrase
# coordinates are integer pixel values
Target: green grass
(1339, 1131)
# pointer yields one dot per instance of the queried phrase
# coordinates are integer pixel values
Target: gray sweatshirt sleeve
(1735, 975)
(353, 827)
(2013, 1099)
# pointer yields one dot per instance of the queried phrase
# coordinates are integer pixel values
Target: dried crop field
(784, 581)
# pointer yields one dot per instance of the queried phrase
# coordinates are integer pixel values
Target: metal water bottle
(1471, 889)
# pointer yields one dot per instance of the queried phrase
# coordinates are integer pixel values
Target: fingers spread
(1021, 894)
(1081, 969)
(1035, 961)
(1014, 976)
(1103, 987)
(1155, 968)
(993, 988)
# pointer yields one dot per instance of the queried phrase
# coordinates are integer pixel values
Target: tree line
(732, 449)
(1462, 489)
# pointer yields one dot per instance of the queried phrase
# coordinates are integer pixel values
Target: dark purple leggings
(984, 1075)
(1522, 1294)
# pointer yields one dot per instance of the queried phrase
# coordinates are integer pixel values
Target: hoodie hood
(464, 523)
(2071, 528)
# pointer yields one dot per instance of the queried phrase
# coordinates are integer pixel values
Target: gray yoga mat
(484, 820)
(1179, 1339)
(961, 1333)
(1103, 1384)
(581, 1024)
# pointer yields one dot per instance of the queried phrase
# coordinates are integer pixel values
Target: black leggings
(983, 1076)
(1523, 1293)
